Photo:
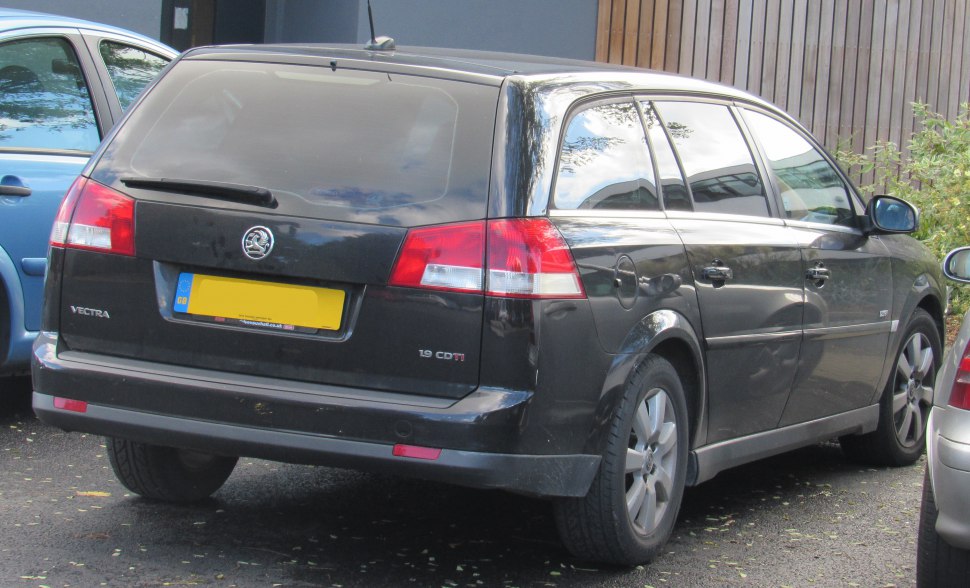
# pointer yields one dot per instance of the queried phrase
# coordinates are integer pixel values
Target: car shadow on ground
(295, 525)
(321, 526)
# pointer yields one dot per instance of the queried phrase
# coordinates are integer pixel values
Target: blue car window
(44, 101)
(130, 69)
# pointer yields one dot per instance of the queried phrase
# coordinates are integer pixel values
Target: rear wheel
(632, 505)
(906, 401)
(938, 564)
(167, 473)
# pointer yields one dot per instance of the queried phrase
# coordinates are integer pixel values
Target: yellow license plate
(261, 304)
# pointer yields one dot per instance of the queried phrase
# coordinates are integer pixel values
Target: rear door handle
(13, 186)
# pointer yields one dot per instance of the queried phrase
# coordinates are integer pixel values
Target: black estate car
(562, 279)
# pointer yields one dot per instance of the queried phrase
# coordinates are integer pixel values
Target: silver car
(944, 532)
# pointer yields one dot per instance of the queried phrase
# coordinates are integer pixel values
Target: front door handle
(717, 273)
(818, 274)
(13, 186)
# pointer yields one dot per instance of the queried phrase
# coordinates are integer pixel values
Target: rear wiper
(222, 190)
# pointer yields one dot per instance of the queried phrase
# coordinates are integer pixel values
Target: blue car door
(48, 130)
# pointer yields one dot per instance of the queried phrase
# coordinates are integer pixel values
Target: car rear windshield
(345, 144)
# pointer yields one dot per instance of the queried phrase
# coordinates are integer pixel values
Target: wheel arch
(671, 335)
(11, 310)
(924, 294)
(934, 307)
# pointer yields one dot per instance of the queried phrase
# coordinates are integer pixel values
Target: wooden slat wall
(847, 69)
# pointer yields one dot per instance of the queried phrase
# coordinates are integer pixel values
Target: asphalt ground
(806, 518)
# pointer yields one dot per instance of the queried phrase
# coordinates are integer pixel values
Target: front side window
(604, 163)
(44, 101)
(716, 159)
(811, 189)
(130, 69)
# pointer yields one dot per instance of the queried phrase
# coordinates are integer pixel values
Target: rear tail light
(448, 257)
(960, 392)
(527, 258)
(95, 217)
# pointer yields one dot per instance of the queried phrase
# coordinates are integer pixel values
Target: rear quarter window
(349, 145)
(604, 162)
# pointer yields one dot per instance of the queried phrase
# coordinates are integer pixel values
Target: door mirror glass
(892, 215)
(956, 265)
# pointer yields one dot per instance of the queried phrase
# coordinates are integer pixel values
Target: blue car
(63, 84)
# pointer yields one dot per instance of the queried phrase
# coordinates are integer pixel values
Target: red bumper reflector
(72, 405)
(416, 452)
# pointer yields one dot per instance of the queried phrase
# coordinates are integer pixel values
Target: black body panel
(376, 333)
(304, 248)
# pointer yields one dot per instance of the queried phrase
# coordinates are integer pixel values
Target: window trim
(653, 153)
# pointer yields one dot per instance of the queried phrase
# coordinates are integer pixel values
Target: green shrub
(934, 175)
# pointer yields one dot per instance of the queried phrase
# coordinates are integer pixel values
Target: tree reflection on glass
(130, 69)
(718, 163)
(604, 161)
(43, 100)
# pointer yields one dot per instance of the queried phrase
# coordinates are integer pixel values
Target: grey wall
(559, 28)
(295, 21)
(143, 16)
(562, 28)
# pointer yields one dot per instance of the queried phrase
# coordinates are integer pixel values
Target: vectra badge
(257, 242)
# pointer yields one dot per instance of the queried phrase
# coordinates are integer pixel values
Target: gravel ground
(807, 518)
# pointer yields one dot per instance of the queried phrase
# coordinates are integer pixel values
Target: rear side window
(130, 69)
(44, 101)
(811, 190)
(672, 184)
(717, 161)
(604, 162)
(351, 145)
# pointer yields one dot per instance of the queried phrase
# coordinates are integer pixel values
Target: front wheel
(630, 510)
(167, 473)
(906, 401)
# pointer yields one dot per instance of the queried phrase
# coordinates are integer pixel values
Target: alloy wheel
(651, 461)
(913, 392)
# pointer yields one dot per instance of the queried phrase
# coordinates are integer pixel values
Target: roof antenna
(376, 43)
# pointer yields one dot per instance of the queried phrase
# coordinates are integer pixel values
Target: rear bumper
(949, 465)
(302, 423)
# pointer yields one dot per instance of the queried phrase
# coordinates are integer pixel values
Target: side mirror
(888, 214)
(956, 265)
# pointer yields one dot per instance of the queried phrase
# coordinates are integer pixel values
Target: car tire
(938, 564)
(166, 473)
(905, 404)
(644, 465)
